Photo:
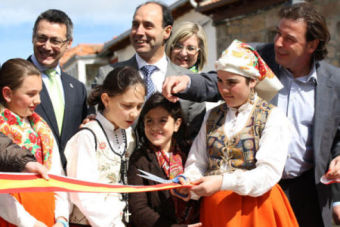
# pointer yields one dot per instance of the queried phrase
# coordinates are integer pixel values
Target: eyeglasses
(189, 49)
(55, 42)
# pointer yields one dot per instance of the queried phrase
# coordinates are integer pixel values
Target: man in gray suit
(310, 99)
(151, 28)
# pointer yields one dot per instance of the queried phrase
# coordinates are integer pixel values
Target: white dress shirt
(158, 76)
(297, 100)
(46, 79)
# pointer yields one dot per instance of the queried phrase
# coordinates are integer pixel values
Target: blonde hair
(184, 31)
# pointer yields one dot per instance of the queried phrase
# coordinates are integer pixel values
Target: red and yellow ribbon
(18, 182)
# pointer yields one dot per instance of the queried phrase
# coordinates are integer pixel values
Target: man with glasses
(63, 98)
(151, 28)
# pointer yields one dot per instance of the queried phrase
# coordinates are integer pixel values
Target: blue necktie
(147, 70)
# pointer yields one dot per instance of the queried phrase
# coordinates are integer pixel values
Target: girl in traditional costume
(239, 154)
(20, 85)
(100, 151)
(162, 151)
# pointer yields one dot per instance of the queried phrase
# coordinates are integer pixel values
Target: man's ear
(167, 32)
(69, 43)
(312, 45)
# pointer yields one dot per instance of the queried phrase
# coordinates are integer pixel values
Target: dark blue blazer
(74, 113)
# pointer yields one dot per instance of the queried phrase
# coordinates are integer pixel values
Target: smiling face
(47, 52)
(292, 50)
(123, 109)
(185, 52)
(148, 34)
(234, 89)
(159, 126)
(23, 100)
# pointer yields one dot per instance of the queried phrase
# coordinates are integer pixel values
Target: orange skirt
(227, 208)
(38, 204)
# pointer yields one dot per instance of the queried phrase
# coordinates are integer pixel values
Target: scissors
(155, 178)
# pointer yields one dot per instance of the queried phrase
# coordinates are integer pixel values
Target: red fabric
(172, 163)
(228, 209)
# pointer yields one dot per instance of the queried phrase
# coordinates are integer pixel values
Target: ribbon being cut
(27, 182)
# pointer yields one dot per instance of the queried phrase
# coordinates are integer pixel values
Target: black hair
(316, 25)
(167, 16)
(174, 109)
(55, 16)
(115, 83)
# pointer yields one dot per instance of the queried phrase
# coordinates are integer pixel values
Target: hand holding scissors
(182, 193)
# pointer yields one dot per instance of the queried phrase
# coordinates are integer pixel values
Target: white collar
(43, 68)
(105, 122)
(161, 64)
(246, 106)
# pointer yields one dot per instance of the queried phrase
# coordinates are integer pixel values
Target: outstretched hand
(206, 186)
(182, 193)
(36, 167)
(173, 85)
(334, 169)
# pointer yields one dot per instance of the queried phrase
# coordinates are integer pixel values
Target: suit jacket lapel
(133, 62)
(322, 107)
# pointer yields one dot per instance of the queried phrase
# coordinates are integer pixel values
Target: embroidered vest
(108, 162)
(237, 152)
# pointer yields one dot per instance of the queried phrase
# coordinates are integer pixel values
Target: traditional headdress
(242, 59)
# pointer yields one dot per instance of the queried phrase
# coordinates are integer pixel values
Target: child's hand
(36, 167)
(182, 193)
(199, 224)
(206, 186)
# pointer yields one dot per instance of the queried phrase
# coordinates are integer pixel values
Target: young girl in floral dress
(20, 85)
(100, 151)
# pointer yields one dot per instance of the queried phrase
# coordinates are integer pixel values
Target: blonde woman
(187, 46)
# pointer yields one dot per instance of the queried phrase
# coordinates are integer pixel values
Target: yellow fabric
(10, 182)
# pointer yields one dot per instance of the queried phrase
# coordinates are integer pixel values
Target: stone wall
(260, 26)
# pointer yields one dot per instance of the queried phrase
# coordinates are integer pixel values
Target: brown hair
(115, 83)
(316, 25)
(13, 72)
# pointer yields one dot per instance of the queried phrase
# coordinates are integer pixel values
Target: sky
(95, 21)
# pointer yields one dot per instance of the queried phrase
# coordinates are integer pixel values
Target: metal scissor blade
(153, 177)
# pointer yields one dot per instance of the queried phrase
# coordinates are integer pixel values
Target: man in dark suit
(310, 99)
(151, 28)
(63, 98)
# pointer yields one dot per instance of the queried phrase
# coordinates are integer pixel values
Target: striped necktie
(147, 71)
